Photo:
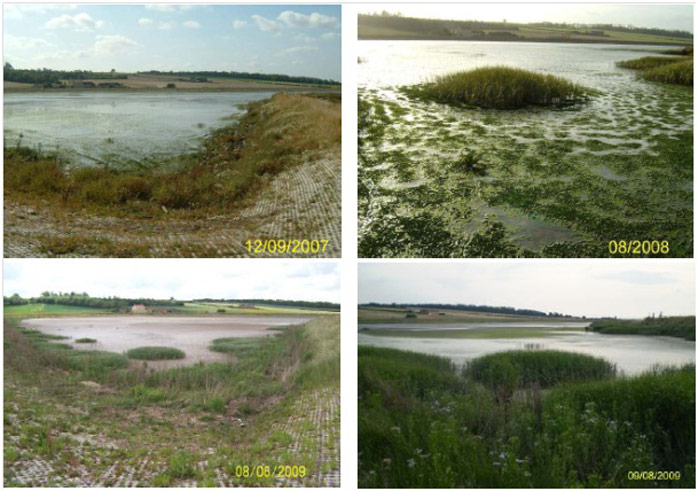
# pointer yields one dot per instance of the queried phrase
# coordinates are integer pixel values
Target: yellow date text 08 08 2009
(286, 246)
(654, 475)
(638, 247)
(260, 471)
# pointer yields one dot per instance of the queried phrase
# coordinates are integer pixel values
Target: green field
(475, 333)
(522, 419)
(42, 308)
(369, 315)
(259, 309)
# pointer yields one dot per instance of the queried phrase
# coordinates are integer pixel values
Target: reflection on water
(106, 126)
(632, 354)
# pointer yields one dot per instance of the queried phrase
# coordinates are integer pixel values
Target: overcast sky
(625, 288)
(183, 279)
(291, 39)
(661, 16)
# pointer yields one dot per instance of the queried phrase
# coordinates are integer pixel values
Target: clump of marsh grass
(500, 87)
(153, 353)
(667, 70)
(86, 341)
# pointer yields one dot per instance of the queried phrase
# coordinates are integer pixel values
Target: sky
(184, 279)
(627, 289)
(661, 16)
(291, 39)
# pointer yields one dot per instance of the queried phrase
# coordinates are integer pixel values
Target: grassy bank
(677, 71)
(501, 87)
(274, 134)
(680, 327)
(425, 423)
(274, 403)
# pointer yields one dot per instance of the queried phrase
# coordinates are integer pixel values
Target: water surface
(119, 127)
(631, 354)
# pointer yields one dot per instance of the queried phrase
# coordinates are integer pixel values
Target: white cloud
(166, 26)
(330, 35)
(12, 11)
(191, 24)
(239, 24)
(304, 38)
(78, 22)
(298, 49)
(266, 25)
(144, 21)
(111, 44)
(21, 42)
(294, 19)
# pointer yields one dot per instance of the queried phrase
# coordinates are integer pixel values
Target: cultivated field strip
(300, 203)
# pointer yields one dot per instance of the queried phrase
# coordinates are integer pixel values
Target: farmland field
(453, 180)
(263, 409)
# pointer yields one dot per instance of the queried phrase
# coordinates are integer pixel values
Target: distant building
(139, 307)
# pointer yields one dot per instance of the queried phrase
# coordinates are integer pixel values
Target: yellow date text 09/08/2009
(654, 475)
(638, 247)
(286, 246)
(276, 471)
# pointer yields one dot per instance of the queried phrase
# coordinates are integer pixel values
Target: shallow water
(631, 354)
(119, 127)
(192, 335)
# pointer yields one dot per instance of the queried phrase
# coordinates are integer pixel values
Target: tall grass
(155, 353)
(424, 423)
(663, 69)
(544, 368)
(274, 134)
(501, 87)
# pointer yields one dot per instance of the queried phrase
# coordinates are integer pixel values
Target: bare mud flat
(193, 335)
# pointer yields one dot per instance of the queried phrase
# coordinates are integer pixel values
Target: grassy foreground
(425, 423)
(91, 418)
(273, 135)
(501, 87)
(680, 327)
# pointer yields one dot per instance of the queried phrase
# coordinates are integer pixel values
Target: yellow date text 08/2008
(286, 246)
(638, 247)
(260, 471)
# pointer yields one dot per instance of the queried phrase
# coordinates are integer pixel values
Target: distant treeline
(411, 27)
(85, 300)
(468, 308)
(45, 76)
(680, 327)
(301, 304)
(246, 76)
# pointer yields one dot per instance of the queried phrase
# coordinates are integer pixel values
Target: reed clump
(152, 353)
(500, 87)
(668, 70)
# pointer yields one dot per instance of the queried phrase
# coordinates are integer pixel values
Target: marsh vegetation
(92, 418)
(520, 419)
(438, 179)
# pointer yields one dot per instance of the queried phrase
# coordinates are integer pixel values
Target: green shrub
(502, 87)
(153, 353)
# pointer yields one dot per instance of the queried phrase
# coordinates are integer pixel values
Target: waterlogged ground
(631, 354)
(119, 128)
(193, 335)
(546, 182)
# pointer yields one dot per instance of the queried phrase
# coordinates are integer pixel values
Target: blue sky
(599, 288)
(180, 278)
(287, 39)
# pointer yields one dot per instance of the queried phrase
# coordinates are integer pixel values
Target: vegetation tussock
(544, 368)
(424, 423)
(273, 135)
(155, 353)
(680, 327)
(502, 87)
